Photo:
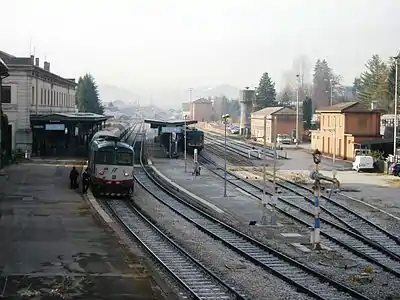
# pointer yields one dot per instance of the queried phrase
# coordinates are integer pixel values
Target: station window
(33, 95)
(6, 94)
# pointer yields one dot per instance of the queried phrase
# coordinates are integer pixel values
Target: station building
(279, 120)
(33, 90)
(346, 127)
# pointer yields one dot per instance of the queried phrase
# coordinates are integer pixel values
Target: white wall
(33, 96)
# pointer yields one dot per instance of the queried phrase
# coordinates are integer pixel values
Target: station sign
(55, 127)
(171, 129)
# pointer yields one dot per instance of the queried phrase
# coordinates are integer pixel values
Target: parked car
(235, 130)
(394, 169)
(284, 139)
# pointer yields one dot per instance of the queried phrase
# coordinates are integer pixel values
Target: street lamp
(297, 110)
(184, 117)
(225, 118)
(396, 58)
(3, 74)
(190, 103)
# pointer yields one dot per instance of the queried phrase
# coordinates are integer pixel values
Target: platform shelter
(64, 134)
(169, 132)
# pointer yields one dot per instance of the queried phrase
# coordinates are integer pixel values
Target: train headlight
(126, 174)
(101, 172)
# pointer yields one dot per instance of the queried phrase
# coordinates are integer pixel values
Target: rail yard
(209, 247)
(226, 233)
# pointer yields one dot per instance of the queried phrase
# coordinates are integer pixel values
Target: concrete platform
(52, 245)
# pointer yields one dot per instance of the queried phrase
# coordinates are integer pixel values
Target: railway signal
(317, 177)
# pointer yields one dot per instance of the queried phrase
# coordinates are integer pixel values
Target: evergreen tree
(373, 83)
(323, 80)
(307, 112)
(265, 93)
(87, 95)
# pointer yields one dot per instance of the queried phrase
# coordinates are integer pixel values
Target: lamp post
(190, 104)
(3, 74)
(395, 110)
(184, 143)
(263, 200)
(297, 110)
(225, 118)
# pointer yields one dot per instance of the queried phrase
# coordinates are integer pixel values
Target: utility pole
(190, 104)
(274, 196)
(263, 200)
(225, 118)
(395, 110)
(330, 83)
(184, 147)
(297, 110)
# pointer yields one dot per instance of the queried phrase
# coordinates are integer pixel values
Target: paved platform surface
(52, 245)
(211, 189)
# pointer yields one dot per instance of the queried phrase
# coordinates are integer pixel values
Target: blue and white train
(111, 162)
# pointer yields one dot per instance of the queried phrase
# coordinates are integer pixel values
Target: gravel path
(257, 283)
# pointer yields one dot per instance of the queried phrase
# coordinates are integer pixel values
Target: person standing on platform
(85, 180)
(73, 177)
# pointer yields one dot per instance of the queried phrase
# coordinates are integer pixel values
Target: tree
(324, 80)
(87, 95)
(307, 112)
(265, 93)
(286, 96)
(373, 83)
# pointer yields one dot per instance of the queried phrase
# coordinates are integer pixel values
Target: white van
(363, 163)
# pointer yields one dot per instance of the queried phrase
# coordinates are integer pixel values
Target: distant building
(279, 120)
(32, 90)
(345, 127)
(185, 110)
(202, 110)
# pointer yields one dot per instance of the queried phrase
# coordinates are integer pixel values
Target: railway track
(338, 236)
(296, 274)
(344, 215)
(243, 149)
(197, 280)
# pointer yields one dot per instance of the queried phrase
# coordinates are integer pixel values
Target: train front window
(124, 159)
(104, 158)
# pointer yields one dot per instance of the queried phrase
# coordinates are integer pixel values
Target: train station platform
(51, 244)
(64, 134)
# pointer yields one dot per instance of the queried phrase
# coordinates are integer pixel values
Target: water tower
(246, 104)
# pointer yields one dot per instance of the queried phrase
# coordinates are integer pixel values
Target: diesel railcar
(110, 164)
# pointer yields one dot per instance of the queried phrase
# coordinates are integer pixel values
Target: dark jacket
(73, 174)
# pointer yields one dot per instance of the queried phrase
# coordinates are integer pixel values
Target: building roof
(3, 68)
(202, 100)
(353, 106)
(175, 123)
(27, 62)
(78, 117)
(279, 110)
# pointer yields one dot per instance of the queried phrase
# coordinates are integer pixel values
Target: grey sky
(181, 43)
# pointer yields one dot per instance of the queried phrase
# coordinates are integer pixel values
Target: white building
(32, 90)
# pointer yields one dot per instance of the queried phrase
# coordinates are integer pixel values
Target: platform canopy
(163, 123)
(77, 117)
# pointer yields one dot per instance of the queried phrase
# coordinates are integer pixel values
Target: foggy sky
(158, 44)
